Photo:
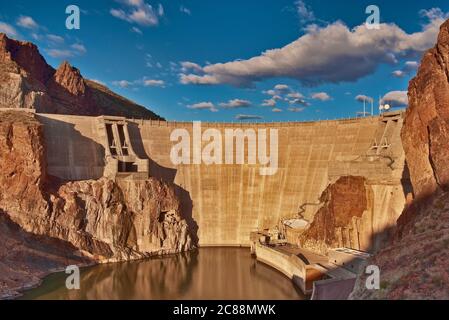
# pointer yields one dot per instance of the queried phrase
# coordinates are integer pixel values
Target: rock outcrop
(426, 130)
(354, 213)
(334, 225)
(106, 220)
(27, 81)
(414, 265)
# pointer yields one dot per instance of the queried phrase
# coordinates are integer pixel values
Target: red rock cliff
(27, 81)
(107, 220)
(426, 130)
(414, 265)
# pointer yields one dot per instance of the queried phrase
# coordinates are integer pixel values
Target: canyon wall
(105, 220)
(227, 202)
(426, 129)
(414, 264)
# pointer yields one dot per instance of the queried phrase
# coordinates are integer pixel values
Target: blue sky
(208, 60)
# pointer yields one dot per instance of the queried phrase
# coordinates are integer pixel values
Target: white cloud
(283, 88)
(269, 103)
(136, 30)
(154, 83)
(295, 95)
(323, 55)
(296, 109)
(409, 67)
(55, 39)
(364, 98)
(396, 98)
(270, 92)
(58, 50)
(60, 53)
(283, 92)
(79, 48)
(305, 13)
(185, 10)
(187, 66)
(299, 102)
(139, 12)
(122, 83)
(160, 10)
(247, 117)
(398, 73)
(196, 79)
(236, 103)
(277, 110)
(27, 22)
(434, 13)
(321, 96)
(203, 106)
(8, 29)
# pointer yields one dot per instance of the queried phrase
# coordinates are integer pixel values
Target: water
(207, 273)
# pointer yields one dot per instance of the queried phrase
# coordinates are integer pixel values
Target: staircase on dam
(388, 123)
(120, 159)
(382, 160)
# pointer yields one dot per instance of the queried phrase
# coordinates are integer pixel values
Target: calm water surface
(207, 273)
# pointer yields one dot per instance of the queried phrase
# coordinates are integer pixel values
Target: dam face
(227, 202)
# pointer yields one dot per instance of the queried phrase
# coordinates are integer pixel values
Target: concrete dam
(227, 202)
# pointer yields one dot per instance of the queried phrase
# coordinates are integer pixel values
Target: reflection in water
(208, 273)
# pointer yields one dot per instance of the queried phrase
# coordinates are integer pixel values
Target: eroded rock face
(23, 73)
(27, 81)
(334, 223)
(426, 129)
(108, 220)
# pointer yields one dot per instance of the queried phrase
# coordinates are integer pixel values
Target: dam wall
(227, 202)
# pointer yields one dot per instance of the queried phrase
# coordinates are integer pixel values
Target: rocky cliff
(426, 130)
(105, 220)
(334, 225)
(27, 81)
(414, 265)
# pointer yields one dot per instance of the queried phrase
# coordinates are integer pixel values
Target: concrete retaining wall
(290, 265)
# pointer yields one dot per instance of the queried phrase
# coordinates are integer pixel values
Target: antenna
(380, 105)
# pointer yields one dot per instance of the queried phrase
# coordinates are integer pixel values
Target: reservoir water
(206, 273)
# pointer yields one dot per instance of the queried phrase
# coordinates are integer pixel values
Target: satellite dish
(387, 107)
